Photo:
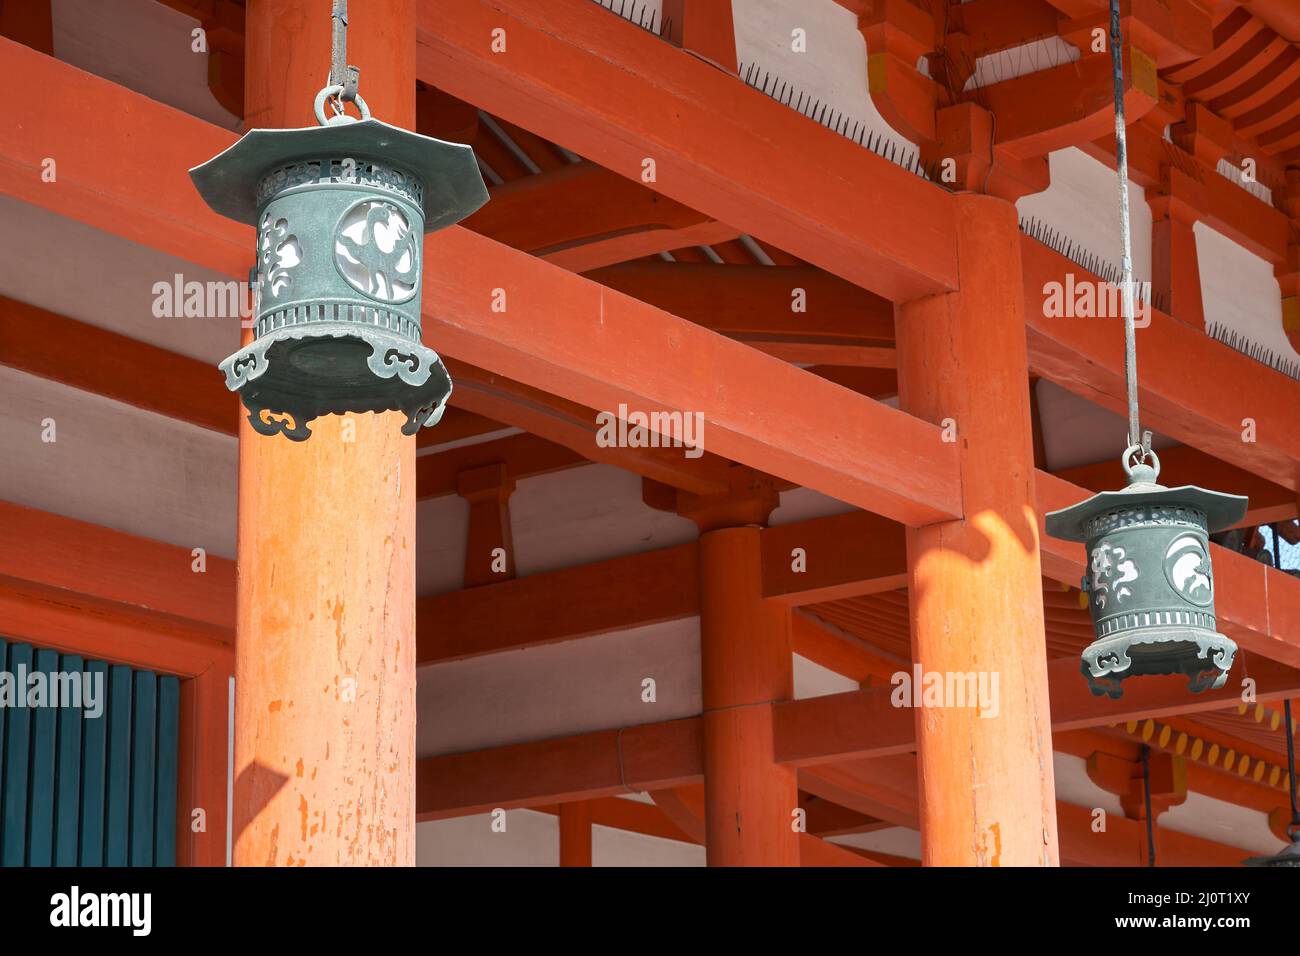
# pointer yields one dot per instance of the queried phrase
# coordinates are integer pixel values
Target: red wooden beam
(631, 816)
(560, 605)
(582, 216)
(827, 559)
(825, 736)
(619, 96)
(576, 427)
(42, 343)
(561, 333)
(866, 723)
(1192, 388)
(798, 313)
(603, 764)
(523, 456)
(1067, 105)
(587, 344)
(87, 559)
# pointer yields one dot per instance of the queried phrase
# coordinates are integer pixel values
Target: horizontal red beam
(560, 605)
(587, 344)
(560, 333)
(820, 734)
(866, 723)
(1191, 388)
(603, 764)
(88, 559)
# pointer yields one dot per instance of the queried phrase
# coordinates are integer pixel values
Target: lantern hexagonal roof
(453, 185)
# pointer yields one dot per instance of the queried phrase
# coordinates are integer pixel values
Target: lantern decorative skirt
(1289, 856)
(1149, 581)
(340, 212)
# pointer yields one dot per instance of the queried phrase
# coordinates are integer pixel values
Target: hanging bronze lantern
(1149, 580)
(1289, 856)
(340, 211)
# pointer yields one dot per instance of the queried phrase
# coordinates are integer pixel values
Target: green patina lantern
(1148, 578)
(340, 211)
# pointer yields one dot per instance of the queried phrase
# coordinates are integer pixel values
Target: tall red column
(575, 833)
(746, 667)
(325, 653)
(986, 784)
(489, 542)
(749, 799)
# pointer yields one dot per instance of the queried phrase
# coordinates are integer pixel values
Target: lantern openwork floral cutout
(340, 211)
(1148, 578)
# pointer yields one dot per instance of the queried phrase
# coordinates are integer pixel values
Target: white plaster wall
(898, 841)
(1083, 204)
(1021, 60)
(559, 689)
(1073, 785)
(804, 504)
(72, 269)
(533, 839)
(611, 847)
(115, 465)
(1223, 822)
(834, 68)
(1238, 288)
(587, 514)
(813, 680)
(440, 528)
(1078, 432)
(530, 839)
(142, 45)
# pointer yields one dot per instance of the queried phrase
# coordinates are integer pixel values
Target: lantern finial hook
(343, 79)
(1135, 465)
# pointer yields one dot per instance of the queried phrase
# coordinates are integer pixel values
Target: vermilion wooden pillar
(325, 660)
(489, 541)
(975, 587)
(575, 833)
(746, 667)
(704, 27)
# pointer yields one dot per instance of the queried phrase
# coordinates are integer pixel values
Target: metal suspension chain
(341, 88)
(1135, 434)
(1290, 761)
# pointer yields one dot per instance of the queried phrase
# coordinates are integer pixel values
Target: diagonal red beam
(587, 344)
(560, 333)
(582, 216)
(618, 96)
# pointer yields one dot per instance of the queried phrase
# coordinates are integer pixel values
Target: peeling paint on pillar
(326, 581)
(975, 584)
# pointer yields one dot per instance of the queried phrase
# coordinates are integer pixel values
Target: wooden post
(1175, 267)
(746, 667)
(749, 799)
(489, 543)
(325, 654)
(575, 833)
(704, 27)
(975, 585)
